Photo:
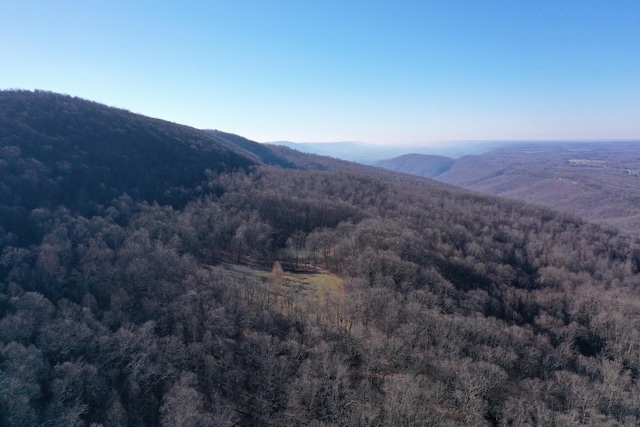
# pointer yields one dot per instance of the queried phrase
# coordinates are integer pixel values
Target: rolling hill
(597, 181)
(223, 283)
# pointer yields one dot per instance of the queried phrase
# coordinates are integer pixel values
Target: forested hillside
(418, 164)
(229, 292)
(63, 151)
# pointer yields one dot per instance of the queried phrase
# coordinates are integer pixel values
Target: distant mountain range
(598, 181)
(370, 154)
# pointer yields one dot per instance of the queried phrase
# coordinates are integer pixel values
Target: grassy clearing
(319, 294)
(320, 283)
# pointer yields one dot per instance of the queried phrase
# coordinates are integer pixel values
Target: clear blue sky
(375, 71)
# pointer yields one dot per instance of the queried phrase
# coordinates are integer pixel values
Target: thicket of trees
(456, 309)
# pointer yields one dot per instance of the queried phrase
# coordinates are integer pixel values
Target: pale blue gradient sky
(375, 71)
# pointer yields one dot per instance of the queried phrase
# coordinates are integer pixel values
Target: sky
(383, 72)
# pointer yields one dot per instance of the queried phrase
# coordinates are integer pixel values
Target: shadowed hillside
(327, 294)
(62, 151)
(261, 151)
(418, 164)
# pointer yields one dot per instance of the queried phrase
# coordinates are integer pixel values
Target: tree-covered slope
(317, 297)
(418, 164)
(261, 152)
(58, 150)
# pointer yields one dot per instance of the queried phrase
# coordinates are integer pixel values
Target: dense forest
(157, 275)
